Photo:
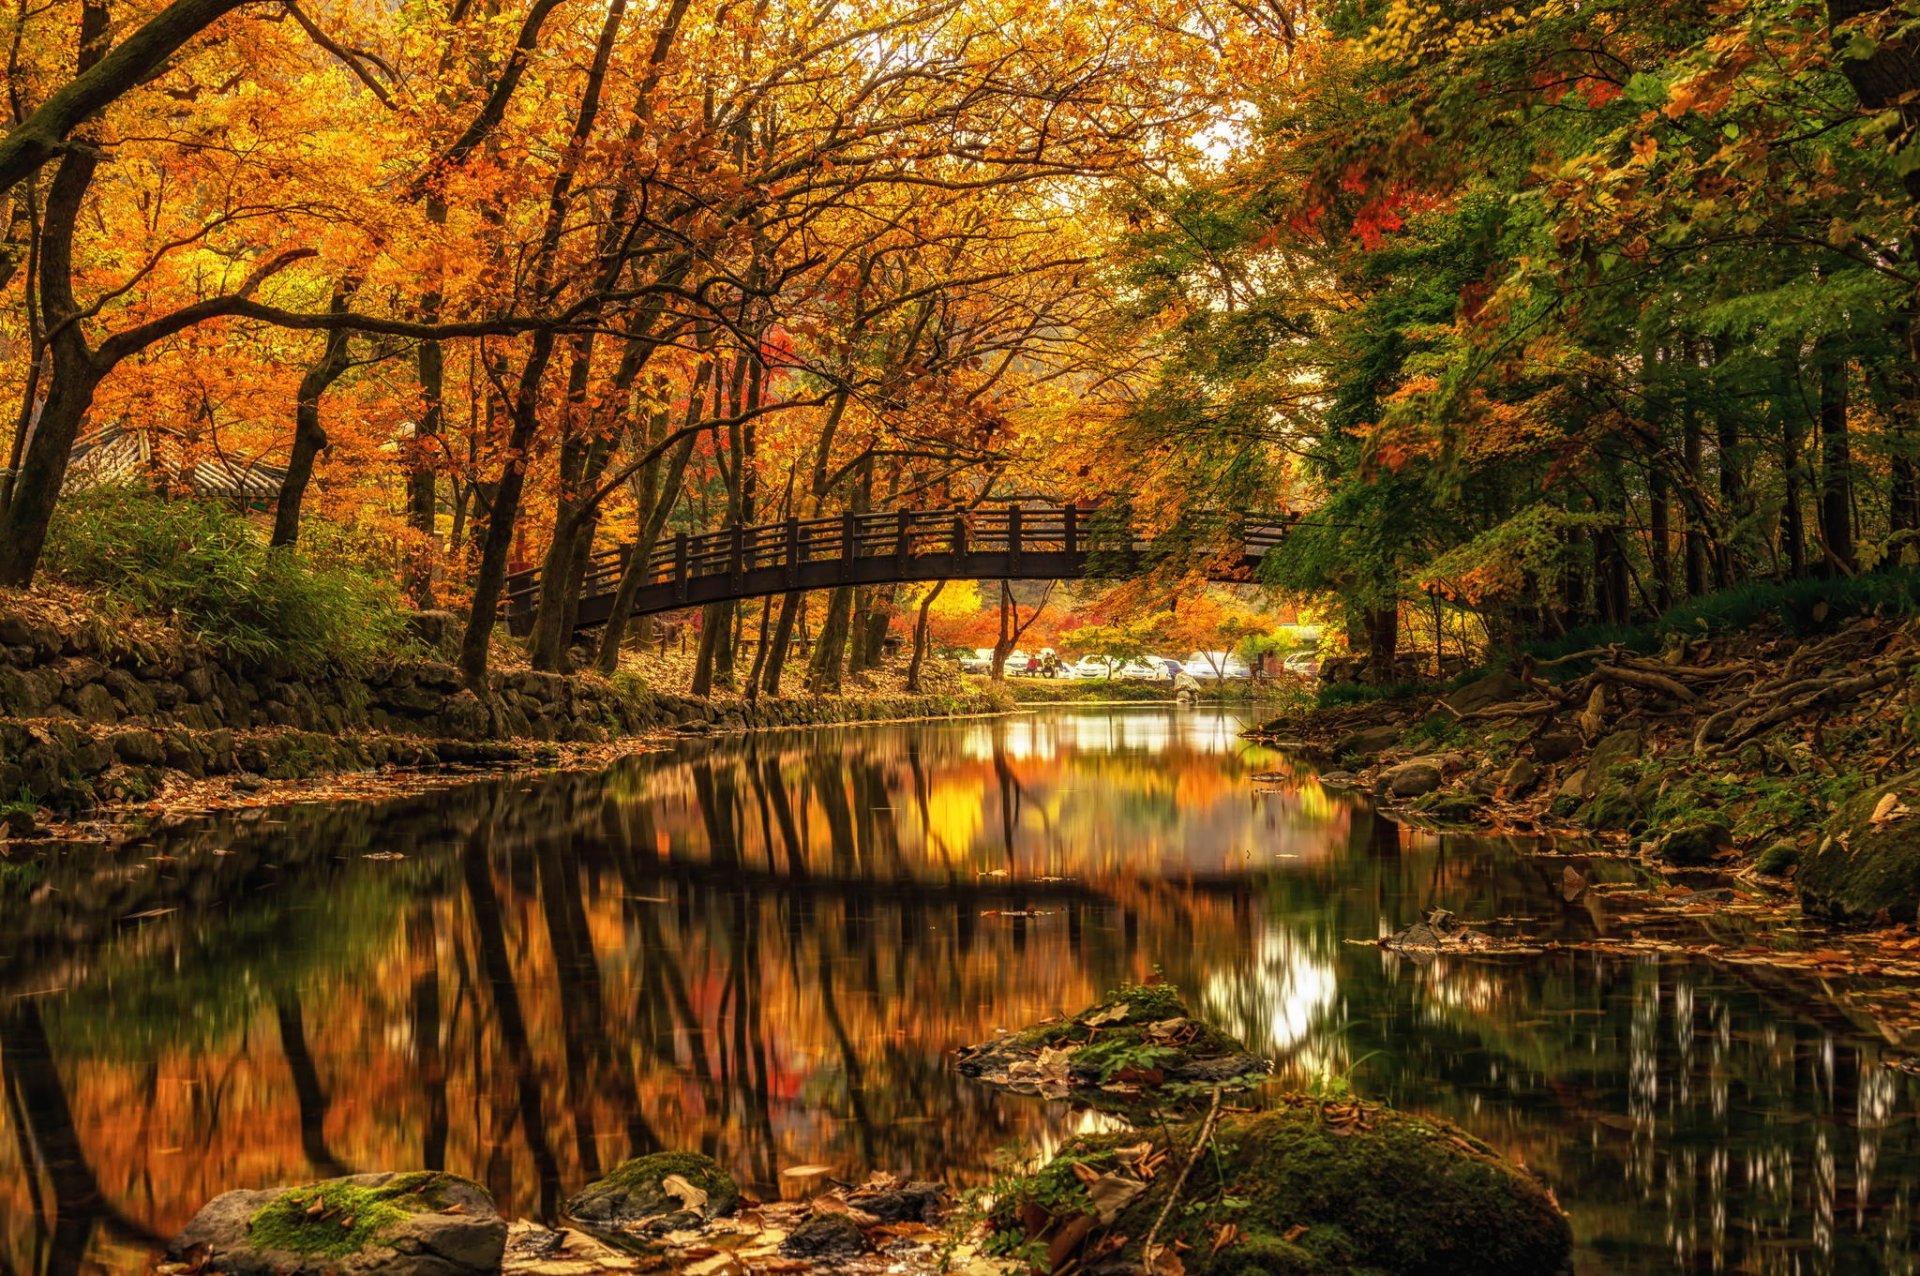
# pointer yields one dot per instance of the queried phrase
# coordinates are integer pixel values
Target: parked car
(1211, 666)
(979, 660)
(1306, 664)
(1140, 669)
(1094, 667)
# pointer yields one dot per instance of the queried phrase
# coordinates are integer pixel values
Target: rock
(1692, 845)
(1575, 785)
(434, 630)
(386, 1224)
(1519, 779)
(1495, 688)
(1616, 750)
(94, 703)
(916, 1202)
(639, 1192)
(1367, 741)
(1142, 1038)
(1439, 931)
(1866, 867)
(1327, 1187)
(1555, 746)
(1411, 779)
(1339, 779)
(139, 748)
(825, 1236)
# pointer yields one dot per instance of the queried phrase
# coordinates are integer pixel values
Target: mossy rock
(636, 1195)
(1142, 1037)
(1862, 869)
(1309, 1187)
(421, 1223)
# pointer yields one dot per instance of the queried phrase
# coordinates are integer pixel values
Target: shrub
(211, 569)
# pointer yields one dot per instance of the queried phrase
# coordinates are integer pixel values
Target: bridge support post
(680, 567)
(1070, 530)
(903, 545)
(1013, 538)
(737, 557)
(793, 552)
(849, 543)
(959, 539)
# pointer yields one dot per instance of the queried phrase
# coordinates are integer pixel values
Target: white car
(1304, 663)
(1210, 666)
(1094, 667)
(1143, 670)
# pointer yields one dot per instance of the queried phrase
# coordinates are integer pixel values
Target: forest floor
(1763, 777)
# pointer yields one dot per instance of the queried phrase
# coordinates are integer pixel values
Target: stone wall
(88, 712)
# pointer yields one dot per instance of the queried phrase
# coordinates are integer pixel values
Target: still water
(767, 947)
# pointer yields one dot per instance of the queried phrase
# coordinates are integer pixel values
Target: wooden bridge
(1008, 543)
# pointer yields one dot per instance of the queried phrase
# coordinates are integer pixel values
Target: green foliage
(211, 568)
(1797, 606)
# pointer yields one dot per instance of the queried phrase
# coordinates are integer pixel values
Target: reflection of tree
(37, 1105)
(768, 948)
(497, 968)
(311, 1095)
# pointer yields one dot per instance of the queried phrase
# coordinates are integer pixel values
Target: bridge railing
(1004, 531)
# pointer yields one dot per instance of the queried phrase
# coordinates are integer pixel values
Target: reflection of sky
(1278, 998)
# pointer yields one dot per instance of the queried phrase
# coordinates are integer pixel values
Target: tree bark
(922, 629)
(1836, 463)
(309, 436)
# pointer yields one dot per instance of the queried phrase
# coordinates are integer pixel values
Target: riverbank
(1749, 752)
(104, 713)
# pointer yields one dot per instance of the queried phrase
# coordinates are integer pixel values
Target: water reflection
(766, 948)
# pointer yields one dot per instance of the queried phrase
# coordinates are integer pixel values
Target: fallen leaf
(1572, 883)
(1112, 1193)
(805, 1171)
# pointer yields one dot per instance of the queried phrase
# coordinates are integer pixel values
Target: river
(767, 947)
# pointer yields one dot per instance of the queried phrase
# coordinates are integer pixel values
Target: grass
(210, 568)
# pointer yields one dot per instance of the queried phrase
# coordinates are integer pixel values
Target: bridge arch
(897, 547)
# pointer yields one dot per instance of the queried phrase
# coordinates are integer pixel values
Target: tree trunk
(827, 669)
(74, 374)
(781, 642)
(309, 436)
(1693, 455)
(922, 630)
(1660, 535)
(1836, 463)
(503, 512)
(635, 574)
(1383, 642)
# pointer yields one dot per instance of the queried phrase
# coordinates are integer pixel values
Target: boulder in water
(663, 1192)
(1317, 1187)
(414, 1224)
(1141, 1038)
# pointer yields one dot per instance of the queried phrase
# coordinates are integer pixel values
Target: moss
(648, 1171)
(632, 1193)
(1450, 805)
(1778, 858)
(1387, 1191)
(1861, 869)
(333, 1220)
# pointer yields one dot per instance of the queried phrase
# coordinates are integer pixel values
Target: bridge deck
(861, 549)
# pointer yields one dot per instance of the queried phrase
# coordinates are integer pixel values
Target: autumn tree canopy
(1550, 313)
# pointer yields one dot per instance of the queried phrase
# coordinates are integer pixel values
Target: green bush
(211, 569)
(1800, 607)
